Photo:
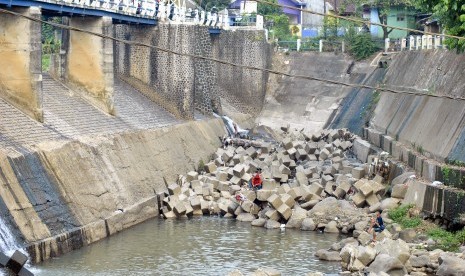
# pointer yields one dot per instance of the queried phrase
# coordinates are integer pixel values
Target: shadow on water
(199, 246)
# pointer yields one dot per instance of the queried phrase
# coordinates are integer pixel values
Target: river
(198, 246)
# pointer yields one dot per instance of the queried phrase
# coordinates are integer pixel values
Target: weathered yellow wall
(18, 63)
(98, 176)
(88, 68)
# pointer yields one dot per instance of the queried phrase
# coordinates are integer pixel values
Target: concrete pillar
(403, 44)
(321, 45)
(386, 45)
(424, 42)
(21, 62)
(89, 61)
(411, 43)
(418, 44)
(430, 42)
(299, 42)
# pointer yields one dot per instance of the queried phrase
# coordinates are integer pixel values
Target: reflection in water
(199, 246)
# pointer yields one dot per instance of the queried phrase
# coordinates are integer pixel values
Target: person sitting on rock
(377, 225)
(257, 180)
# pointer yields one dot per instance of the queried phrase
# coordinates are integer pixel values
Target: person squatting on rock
(376, 225)
(257, 180)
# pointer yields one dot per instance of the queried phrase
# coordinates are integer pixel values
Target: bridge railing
(414, 42)
(164, 10)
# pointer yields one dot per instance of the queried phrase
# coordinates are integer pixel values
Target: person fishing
(377, 225)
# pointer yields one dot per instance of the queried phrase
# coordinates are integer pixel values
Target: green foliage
(451, 14)
(209, 4)
(45, 62)
(265, 9)
(280, 27)
(200, 166)
(400, 215)
(361, 45)
(446, 240)
(446, 173)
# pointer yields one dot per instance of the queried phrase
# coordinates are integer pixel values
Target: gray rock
(298, 215)
(308, 225)
(450, 265)
(366, 255)
(399, 191)
(408, 235)
(395, 248)
(331, 227)
(272, 224)
(390, 265)
(419, 261)
(266, 271)
(245, 217)
(260, 222)
(401, 179)
(389, 203)
(327, 255)
(361, 225)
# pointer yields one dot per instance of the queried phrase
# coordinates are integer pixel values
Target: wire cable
(361, 21)
(135, 43)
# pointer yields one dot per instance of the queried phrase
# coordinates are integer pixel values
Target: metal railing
(162, 10)
(317, 45)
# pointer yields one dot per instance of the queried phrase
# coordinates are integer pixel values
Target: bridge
(121, 11)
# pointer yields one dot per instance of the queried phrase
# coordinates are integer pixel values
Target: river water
(198, 246)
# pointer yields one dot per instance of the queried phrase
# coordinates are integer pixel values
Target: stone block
(270, 184)
(283, 189)
(329, 188)
(326, 178)
(285, 160)
(225, 194)
(263, 195)
(297, 191)
(192, 175)
(315, 188)
(301, 154)
(301, 178)
(365, 188)
(288, 200)
(239, 170)
(179, 209)
(359, 200)
(291, 153)
(210, 167)
(246, 177)
(236, 180)
(222, 176)
(196, 184)
(284, 170)
(287, 143)
(174, 189)
(227, 156)
(324, 154)
(285, 211)
(195, 203)
(399, 191)
(189, 209)
(377, 188)
(372, 199)
(358, 172)
(232, 206)
(234, 188)
(275, 201)
(272, 214)
(223, 186)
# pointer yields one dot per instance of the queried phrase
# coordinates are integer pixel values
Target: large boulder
(419, 261)
(330, 208)
(245, 217)
(399, 191)
(389, 203)
(385, 263)
(366, 254)
(450, 265)
(298, 215)
(326, 255)
(331, 227)
(308, 225)
(260, 222)
(272, 224)
(395, 248)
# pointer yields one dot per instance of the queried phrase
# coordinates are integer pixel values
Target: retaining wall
(68, 194)
(184, 84)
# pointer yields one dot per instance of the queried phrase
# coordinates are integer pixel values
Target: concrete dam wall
(70, 193)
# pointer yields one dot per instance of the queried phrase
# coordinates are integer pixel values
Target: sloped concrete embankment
(71, 193)
(306, 103)
(425, 132)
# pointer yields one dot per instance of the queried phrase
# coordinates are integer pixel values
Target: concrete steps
(69, 116)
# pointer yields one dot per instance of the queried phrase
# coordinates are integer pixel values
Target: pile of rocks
(391, 257)
(306, 179)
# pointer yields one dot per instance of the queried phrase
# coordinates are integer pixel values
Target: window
(400, 17)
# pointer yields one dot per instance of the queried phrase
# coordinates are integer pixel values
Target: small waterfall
(7, 240)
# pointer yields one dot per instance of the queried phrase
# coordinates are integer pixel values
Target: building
(398, 16)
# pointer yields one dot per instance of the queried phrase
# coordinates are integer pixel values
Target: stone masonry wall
(184, 84)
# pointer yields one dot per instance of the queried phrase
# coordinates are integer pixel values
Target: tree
(451, 15)
(384, 7)
(208, 4)
(265, 9)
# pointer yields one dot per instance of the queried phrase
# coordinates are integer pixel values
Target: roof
(342, 6)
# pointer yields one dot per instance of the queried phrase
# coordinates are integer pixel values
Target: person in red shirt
(257, 179)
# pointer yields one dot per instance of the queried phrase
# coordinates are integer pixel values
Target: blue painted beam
(64, 10)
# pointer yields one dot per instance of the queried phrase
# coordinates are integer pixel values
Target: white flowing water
(7, 240)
